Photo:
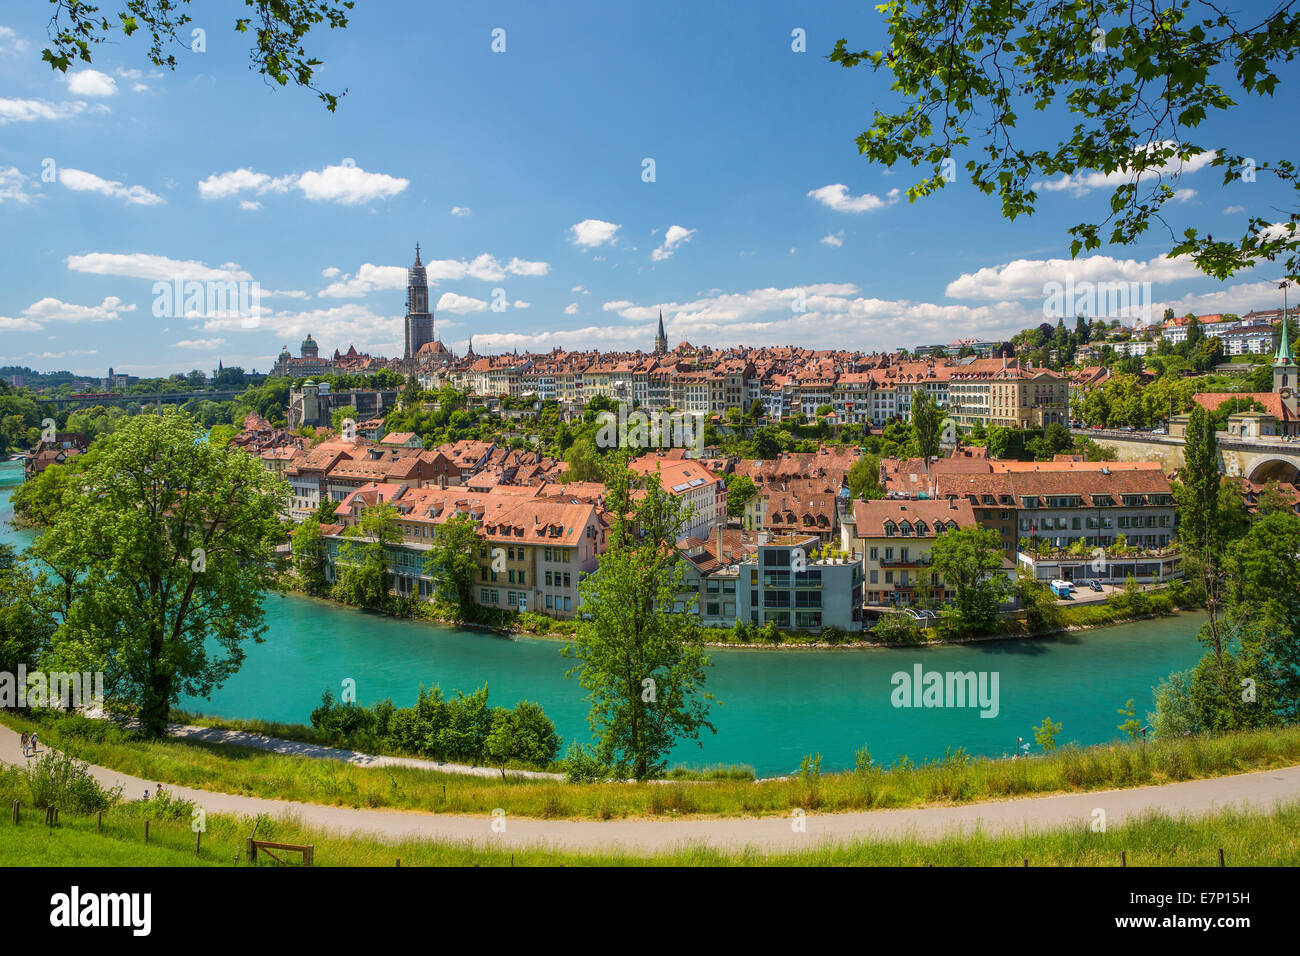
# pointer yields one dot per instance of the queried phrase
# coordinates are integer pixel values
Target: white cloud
(25, 111)
(521, 267)
(13, 185)
(329, 272)
(1025, 278)
(91, 83)
(834, 240)
(199, 343)
(1182, 195)
(521, 304)
(347, 185)
(674, 237)
(225, 185)
(337, 326)
(12, 324)
(140, 265)
(484, 267)
(10, 41)
(460, 210)
(459, 304)
(571, 309)
(580, 290)
(1233, 209)
(1080, 184)
(591, 233)
(836, 196)
(369, 278)
(53, 310)
(249, 205)
(79, 180)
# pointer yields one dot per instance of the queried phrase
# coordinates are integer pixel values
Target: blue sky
(512, 170)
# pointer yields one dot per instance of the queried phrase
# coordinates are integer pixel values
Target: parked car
(1095, 585)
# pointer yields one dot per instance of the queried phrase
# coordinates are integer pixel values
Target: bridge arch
(1264, 469)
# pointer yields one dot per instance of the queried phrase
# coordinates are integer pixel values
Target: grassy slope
(258, 773)
(1247, 840)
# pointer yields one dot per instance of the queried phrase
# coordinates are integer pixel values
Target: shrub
(57, 780)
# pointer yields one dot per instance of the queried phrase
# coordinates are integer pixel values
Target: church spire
(417, 254)
(661, 339)
(1284, 356)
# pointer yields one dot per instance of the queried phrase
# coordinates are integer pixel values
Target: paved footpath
(1259, 791)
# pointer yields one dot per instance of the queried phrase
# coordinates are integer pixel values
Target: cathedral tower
(419, 320)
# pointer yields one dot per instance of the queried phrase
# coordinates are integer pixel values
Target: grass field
(1247, 840)
(959, 779)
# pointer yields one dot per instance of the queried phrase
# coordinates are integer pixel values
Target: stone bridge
(1258, 459)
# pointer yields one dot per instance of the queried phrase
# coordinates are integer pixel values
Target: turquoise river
(775, 705)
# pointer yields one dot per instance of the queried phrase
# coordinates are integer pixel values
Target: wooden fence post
(309, 855)
(99, 822)
(1123, 858)
(146, 831)
(1221, 856)
(198, 835)
(250, 851)
(16, 811)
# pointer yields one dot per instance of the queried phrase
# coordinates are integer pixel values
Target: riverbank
(1085, 617)
(957, 780)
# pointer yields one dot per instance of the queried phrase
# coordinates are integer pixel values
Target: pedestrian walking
(24, 742)
(35, 746)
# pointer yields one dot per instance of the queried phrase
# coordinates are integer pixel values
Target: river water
(775, 705)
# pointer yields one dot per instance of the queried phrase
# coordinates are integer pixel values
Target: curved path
(1257, 791)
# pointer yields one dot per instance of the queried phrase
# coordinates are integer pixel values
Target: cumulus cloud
(26, 111)
(836, 196)
(1080, 184)
(484, 267)
(79, 180)
(337, 326)
(141, 265)
(13, 185)
(10, 41)
(249, 205)
(1025, 278)
(91, 83)
(225, 185)
(834, 240)
(591, 233)
(347, 185)
(674, 237)
(199, 343)
(50, 309)
(1233, 209)
(571, 309)
(460, 210)
(460, 304)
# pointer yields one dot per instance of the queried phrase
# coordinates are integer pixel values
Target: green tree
(452, 563)
(1132, 726)
(1199, 526)
(740, 490)
(969, 561)
(864, 478)
(25, 625)
(361, 571)
(278, 28)
(309, 555)
(158, 560)
(1045, 735)
(927, 424)
(1128, 83)
(641, 662)
(523, 735)
(583, 460)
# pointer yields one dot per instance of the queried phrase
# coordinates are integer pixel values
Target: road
(1257, 791)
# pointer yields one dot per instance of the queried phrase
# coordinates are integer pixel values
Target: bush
(57, 780)
(582, 765)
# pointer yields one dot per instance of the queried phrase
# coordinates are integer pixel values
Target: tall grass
(958, 778)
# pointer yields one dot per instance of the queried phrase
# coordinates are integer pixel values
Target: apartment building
(783, 584)
(702, 493)
(893, 539)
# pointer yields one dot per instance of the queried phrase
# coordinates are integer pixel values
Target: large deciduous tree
(157, 561)
(641, 661)
(969, 561)
(278, 30)
(1131, 84)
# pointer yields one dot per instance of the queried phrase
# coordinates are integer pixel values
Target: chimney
(1004, 361)
(719, 543)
